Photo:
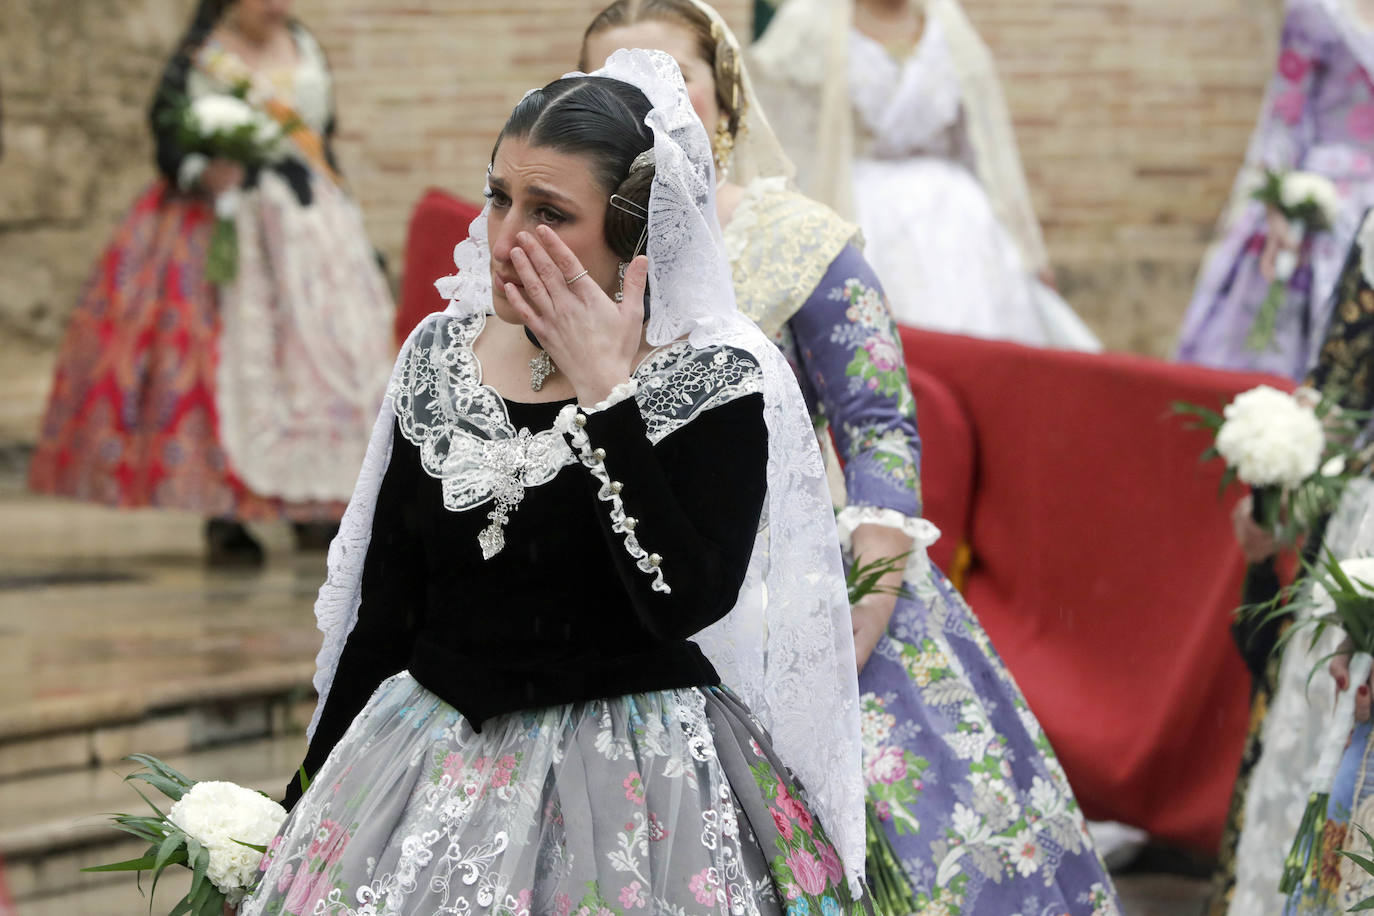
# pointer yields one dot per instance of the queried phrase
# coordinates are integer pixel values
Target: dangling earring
(722, 146)
(620, 293)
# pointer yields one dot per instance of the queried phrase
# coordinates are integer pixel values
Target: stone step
(107, 895)
(55, 823)
(175, 716)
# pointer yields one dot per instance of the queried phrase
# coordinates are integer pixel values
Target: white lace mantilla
(466, 438)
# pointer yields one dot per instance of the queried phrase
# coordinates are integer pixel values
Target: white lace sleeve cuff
(572, 422)
(922, 532)
(191, 168)
(624, 391)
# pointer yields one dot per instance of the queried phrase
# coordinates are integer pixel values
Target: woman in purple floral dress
(1318, 116)
(960, 774)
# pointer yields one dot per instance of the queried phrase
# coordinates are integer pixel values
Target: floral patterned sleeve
(1285, 129)
(844, 344)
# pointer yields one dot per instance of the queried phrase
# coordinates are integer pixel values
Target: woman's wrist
(595, 391)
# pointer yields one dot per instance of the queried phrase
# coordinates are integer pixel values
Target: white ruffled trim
(594, 461)
(922, 532)
(622, 392)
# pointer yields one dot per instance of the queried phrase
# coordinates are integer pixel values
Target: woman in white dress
(902, 124)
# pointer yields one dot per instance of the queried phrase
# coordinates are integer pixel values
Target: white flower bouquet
(217, 829)
(1336, 594)
(225, 126)
(1309, 202)
(1292, 450)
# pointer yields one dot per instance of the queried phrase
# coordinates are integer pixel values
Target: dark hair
(711, 47)
(603, 120)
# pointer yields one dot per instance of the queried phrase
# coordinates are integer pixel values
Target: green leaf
(138, 864)
(164, 772)
(174, 841)
(1363, 861)
(156, 809)
(172, 852)
(207, 895)
(303, 778)
(200, 863)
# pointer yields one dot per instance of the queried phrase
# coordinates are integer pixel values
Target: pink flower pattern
(632, 896)
(1360, 121)
(634, 788)
(783, 823)
(807, 870)
(1293, 66)
(703, 886)
(830, 861)
(1289, 105)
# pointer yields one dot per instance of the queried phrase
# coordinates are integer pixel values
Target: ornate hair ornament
(727, 66)
(642, 161)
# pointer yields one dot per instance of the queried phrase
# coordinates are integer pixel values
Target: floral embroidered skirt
(668, 802)
(132, 419)
(1341, 884)
(963, 780)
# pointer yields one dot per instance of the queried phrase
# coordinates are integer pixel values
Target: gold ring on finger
(573, 279)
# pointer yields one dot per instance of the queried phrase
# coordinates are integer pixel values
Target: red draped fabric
(1103, 564)
(440, 221)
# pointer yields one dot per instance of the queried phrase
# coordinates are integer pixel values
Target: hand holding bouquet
(1307, 201)
(1336, 594)
(217, 829)
(1291, 449)
(224, 126)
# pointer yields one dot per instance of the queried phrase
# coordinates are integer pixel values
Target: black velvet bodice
(561, 614)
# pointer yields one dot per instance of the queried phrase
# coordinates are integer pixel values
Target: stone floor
(104, 614)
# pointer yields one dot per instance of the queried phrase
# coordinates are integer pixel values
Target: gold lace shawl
(780, 244)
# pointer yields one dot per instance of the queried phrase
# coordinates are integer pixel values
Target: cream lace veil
(787, 647)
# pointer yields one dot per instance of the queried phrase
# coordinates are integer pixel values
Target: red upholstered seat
(439, 222)
(946, 468)
(1103, 564)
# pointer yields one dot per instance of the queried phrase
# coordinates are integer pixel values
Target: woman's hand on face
(1340, 671)
(591, 338)
(221, 175)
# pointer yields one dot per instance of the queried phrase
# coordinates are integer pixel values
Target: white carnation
(1270, 439)
(216, 113)
(1298, 188)
(223, 816)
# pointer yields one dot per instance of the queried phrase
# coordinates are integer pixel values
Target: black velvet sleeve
(696, 498)
(390, 612)
(171, 88)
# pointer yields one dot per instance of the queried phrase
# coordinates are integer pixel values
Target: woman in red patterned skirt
(249, 401)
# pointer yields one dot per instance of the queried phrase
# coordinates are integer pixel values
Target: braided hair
(711, 46)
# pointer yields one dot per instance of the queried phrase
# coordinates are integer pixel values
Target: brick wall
(1132, 116)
